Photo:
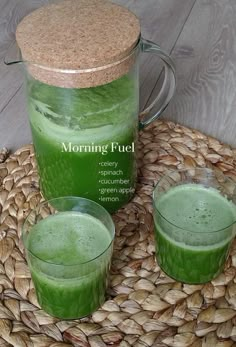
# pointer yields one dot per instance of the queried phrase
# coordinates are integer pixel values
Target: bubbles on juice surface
(202, 215)
(194, 207)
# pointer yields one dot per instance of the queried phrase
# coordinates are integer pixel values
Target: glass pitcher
(85, 121)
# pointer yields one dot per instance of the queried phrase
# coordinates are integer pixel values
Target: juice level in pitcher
(85, 140)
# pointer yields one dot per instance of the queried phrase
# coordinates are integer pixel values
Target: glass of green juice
(194, 217)
(68, 243)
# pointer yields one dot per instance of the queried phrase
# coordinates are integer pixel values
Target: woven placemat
(144, 307)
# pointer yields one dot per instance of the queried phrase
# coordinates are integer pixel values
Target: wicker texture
(144, 307)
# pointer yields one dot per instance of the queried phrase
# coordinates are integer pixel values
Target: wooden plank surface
(205, 57)
(162, 21)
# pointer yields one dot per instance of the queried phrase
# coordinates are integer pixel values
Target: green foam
(68, 238)
(76, 115)
(196, 208)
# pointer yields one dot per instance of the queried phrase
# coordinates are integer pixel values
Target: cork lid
(78, 34)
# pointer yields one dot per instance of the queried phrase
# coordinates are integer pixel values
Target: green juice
(68, 285)
(193, 231)
(85, 140)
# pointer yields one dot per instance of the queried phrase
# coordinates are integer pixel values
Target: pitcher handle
(168, 87)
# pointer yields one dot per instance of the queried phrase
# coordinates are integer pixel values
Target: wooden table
(199, 34)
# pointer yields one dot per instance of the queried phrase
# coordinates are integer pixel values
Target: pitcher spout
(13, 55)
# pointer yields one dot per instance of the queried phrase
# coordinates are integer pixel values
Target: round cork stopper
(92, 39)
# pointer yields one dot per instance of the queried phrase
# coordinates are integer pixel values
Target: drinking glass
(68, 244)
(194, 216)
